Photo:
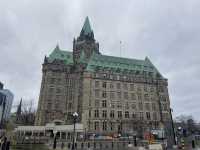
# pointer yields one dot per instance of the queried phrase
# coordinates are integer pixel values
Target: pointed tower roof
(86, 31)
(57, 47)
(19, 108)
(86, 27)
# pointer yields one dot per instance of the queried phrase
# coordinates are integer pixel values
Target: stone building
(111, 94)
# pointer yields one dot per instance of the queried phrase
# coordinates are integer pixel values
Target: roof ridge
(121, 57)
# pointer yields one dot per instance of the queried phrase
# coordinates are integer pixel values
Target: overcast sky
(168, 32)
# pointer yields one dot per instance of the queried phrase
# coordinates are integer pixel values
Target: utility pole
(172, 122)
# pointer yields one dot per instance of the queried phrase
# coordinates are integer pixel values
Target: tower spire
(86, 30)
(19, 111)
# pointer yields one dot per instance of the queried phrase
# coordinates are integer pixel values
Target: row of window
(127, 114)
(57, 81)
(127, 105)
(125, 86)
(126, 77)
(119, 95)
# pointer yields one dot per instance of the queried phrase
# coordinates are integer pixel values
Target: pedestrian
(62, 145)
(54, 143)
(8, 145)
(3, 147)
(0, 142)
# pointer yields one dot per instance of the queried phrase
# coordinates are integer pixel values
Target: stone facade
(110, 94)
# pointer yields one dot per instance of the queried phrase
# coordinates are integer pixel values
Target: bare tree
(28, 111)
(187, 122)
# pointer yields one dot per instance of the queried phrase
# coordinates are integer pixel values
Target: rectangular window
(104, 85)
(134, 106)
(104, 114)
(133, 96)
(132, 87)
(52, 80)
(96, 125)
(140, 106)
(147, 106)
(58, 90)
(118, 86)
(163, 98)
(146, 97)
(97, 93)
(126, 114)
(126, 105)
(112, 114)
(89, 113)
(165, 116)
(70, 106)
(164, 107)
(126, 95)
(155, 117)
(97, 103)
(104, 125)
(111, 85)
(125, 86)
(104, 75)
(112, 104)
(139, 96)
(145, 88)
(141, 115)
(153, 106)
(148, 115)
(134, 115)
(111, 126)
(139, 88)
(111, 76)
(104, 104)
(152, 89)
(59, 81)
(112, 95)
(104, 94)
(119, 105)
(119, 114)
(161, 89)
(96, 113)
(118, 77)
(97, 84)
(119, 95)
(51, 89)
(49, 105)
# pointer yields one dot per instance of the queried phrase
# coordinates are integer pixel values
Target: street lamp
(75, 116)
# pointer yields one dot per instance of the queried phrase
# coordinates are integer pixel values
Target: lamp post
(75, 116)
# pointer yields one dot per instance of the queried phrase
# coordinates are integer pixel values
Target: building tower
(85, 44)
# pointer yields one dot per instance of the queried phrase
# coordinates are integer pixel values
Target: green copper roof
(58, 54)
(104, 62)
(119, 64)
(86, 30)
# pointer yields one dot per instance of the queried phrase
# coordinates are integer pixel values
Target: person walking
(8, 145)
(3, 147)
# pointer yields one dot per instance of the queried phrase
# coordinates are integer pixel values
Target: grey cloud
(166, 31)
